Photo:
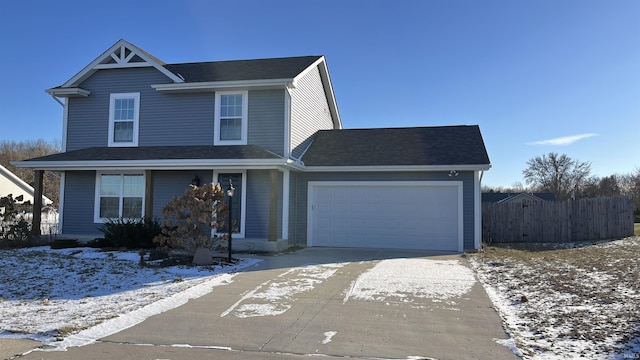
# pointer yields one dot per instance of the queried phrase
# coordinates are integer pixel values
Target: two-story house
(137, 131)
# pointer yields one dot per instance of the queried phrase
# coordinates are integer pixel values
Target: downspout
(58, 101)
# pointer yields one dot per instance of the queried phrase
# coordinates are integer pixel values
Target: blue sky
(536, 76)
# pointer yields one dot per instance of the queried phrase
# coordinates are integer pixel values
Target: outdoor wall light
(453, 173)
(195, 181)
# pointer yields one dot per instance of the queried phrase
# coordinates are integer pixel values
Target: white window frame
(96, 210)
(216, 122)
(136, 118)
(243, 209)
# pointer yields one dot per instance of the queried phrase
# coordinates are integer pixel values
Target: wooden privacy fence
(550, 221)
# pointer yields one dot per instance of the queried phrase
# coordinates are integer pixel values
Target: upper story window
(124, 110)
(230, 119)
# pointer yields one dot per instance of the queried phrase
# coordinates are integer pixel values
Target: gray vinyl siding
(266, 120)
(309, 111)
(167, 184)
(174, 119)
(257, 211)
(79, 200)
(167, 119)
(299, 185)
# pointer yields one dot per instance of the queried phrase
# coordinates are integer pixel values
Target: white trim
(120, 44)
(63, 181)
(321, 64)
(177, 164)
(121, 66)
(223, 85)
(285, 203)
(308, 69)
(243, 205)
(96, 205)
(136, 118)
(287, 123)
(68, 92)
(311, 185)
(245, 118)
(477, 210)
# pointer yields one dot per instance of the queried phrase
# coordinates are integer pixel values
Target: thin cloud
(565, 140)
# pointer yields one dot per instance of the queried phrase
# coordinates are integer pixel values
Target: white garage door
(400, 215)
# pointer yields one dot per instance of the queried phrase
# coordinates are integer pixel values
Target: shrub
(13, 227)
(189, 219)
(64, 244)
(131, 233)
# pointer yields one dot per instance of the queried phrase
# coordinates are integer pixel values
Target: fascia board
(480, 167)
(149, 164)
(93, 66)
(68, 92)
(321, 63)
(220, 85)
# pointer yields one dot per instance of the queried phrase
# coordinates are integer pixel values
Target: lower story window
(119, 195)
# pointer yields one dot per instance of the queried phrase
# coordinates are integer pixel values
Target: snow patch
(511, 344)
(275, 297)
(49, 292)
(328, 336)
(438, 280)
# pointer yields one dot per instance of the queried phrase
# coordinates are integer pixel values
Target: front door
(236, 179)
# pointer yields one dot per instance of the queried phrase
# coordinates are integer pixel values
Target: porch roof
(157, 157)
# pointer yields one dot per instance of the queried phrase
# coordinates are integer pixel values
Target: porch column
(273, 205)
(148, 194)
(37, 202)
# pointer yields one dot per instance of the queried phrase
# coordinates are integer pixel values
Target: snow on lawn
(438, 280)
(70, 297)
(566, 301)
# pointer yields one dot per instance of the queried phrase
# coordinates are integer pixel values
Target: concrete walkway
(281, 309)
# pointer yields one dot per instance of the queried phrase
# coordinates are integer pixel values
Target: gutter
(376, 168)
(215, 85)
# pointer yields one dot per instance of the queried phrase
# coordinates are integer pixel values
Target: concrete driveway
(335, 303)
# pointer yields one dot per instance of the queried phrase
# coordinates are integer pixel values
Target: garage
(424, 215)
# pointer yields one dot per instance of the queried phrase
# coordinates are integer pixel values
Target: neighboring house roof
(449, 147)
(497, 197)
(10, 183)
(161, 156)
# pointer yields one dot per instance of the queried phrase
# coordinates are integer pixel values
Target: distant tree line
(22, 150)
(568, 178)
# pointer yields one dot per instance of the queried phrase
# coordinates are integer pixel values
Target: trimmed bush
(131, 233)
(64, 244)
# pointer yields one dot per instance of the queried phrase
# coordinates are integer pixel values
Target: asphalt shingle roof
(258, 69)
(442, 145)
(162, 153)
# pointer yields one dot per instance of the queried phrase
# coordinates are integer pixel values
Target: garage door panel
(388, 216)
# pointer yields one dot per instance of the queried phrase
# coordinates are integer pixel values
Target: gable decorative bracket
(122, 54)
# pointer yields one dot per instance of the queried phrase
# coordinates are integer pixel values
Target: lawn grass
(636, 229)
(566, 294)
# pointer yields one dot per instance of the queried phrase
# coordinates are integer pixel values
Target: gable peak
(122, 54)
